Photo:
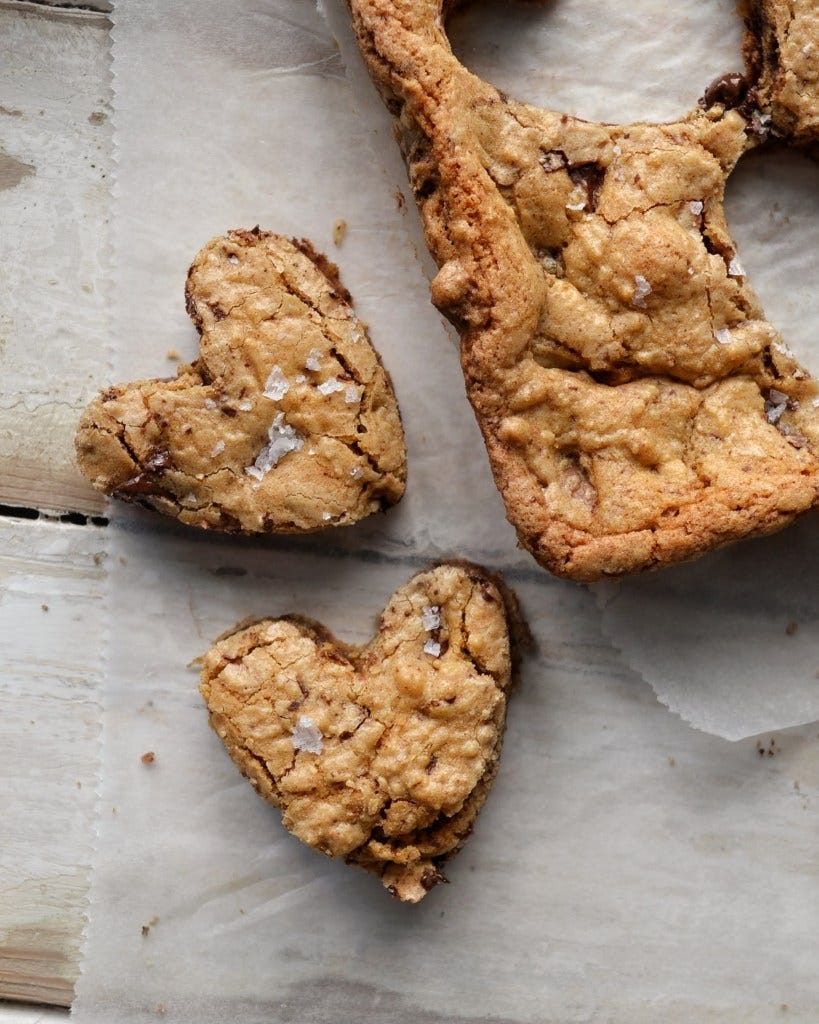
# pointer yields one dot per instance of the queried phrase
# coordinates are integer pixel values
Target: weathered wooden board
(51, 619)
(55, 157)
(55, 154)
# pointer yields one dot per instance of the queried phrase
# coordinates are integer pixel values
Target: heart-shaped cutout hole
(561, 54)
(380, 754)
(286, 423)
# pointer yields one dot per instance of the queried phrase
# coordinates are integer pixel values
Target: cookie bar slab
(782, 48)
(381, 754)
(286, 423)
(637, 407)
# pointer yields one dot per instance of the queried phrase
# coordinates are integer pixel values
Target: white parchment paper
(626, 868)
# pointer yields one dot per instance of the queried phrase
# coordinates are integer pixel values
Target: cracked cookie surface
(637, 407)
(286, 423)
(381, 754)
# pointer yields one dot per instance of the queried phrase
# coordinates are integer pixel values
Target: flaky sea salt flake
(282, 439)
(433, 648)
(276, 386)
(775, 404)
(642, 289)
(431, 617)
(735, 268)
(307, 736)
(723, 336)
(330, 386)
(313, 360)
(695, 206)
(351, 395)
(217, 449)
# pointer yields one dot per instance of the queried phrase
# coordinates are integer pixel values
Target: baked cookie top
(782, 53)
(637, 407)
(382, 754)
(287, 422)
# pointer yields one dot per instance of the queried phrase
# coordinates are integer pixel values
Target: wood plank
(52, 580)
(61, 8)
(55, 154)
(55, 162)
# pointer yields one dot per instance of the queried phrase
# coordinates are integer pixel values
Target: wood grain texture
(52, 579)
(55, 154)
(55, 159)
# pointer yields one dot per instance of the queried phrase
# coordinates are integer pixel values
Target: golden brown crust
(286, 423)
(382, 754)
(782, 47)
(636, 406)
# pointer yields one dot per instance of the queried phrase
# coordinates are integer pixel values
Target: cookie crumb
(44, 607)
(339, 231)
(432, 647)
(148, 757)
(792, 628)
(307, 736)
(160, 1009)
(173, 355)
(276, 386)
(672, 762)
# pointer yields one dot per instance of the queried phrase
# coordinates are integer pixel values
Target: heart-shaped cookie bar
(637, 407)
(381, 754)
(286, 423)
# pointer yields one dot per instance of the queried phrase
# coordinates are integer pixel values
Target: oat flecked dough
(286, 423)
(381, 754)
(637, 407)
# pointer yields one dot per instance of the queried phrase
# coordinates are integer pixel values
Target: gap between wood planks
(57, 8)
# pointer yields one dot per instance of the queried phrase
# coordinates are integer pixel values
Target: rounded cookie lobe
(636, 406)
(286, 423)
(381, 754)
